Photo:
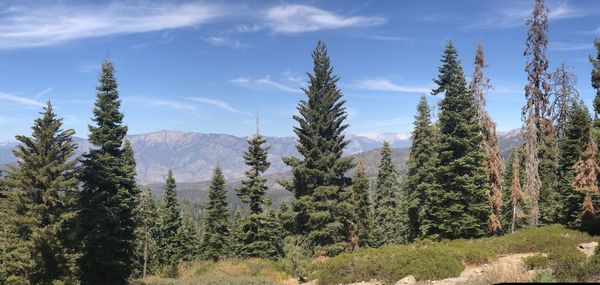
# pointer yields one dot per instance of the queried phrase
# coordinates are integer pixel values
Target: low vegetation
(558, 260)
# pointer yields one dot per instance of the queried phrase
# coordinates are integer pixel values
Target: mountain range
(193, 156)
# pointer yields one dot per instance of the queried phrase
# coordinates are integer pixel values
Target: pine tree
(16, 260)
(419, 175)
(286, 216)
(573, 144)
(596, 85)
(254, 186)
(319, 178)
(536, 111)
(215, 239)
(188, 238)
(259, 235)
(513, 214)
(45, 172)
(459, 205)
(108, 197)
(586, 183)
(362, 206)
(390, 215)
(493, 163)
(565, 94)
(170, 222)
(146, 235)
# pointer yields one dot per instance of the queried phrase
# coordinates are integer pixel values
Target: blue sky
(211, 66)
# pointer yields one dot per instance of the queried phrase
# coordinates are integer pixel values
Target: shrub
(389, 264)
(568, 264)
(542, 276)
(537, 261)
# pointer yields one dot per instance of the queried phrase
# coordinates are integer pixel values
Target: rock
(408, 280)
(588, 248)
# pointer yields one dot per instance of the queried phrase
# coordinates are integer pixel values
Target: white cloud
(43, 92)
(44, 25)
(21, 100)
(293, 18)
(266, 82)
(386, 85)
(225, 41)
(558, 46)
(516, 15)
(217, 103)
(172, 104)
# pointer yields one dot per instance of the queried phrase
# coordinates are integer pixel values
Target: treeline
(67, 220)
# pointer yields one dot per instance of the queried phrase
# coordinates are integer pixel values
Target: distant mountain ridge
(193, 156)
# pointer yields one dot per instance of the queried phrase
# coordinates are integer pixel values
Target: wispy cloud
(225, 42)
(43, 92)
(172, 104)
(21, 100)
(559, 46)
(401, 121)
(217, 103)
(293, 18)
(47, 25)
(265, 82)
(386, 85)
(516, 15)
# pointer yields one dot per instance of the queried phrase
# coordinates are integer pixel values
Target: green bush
(568, 264)
(542, 276)
(389, 264)
(537, 261)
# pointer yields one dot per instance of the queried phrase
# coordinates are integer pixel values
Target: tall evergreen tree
(170, 222)
(215, 238)
(513, 213)
(572, 146)
(260, 234)
(108, 197)
(537, 110)
(254, 186)
(586, 181)
(45, 172)
(459, 205)
(319, 178)
(596, 85)
(391, 220)
(188, 238)
(419, 175)
(16, 260)
(493, 163)
(147, 234)
(362, 206)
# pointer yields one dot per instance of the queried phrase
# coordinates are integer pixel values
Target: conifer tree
(513, 214)
(565, 94)
(493, 163)
(586, 181)
(108, 197)
(319, 178)
(536, 110)
(573, 145)
(254, 186)
(596, 85)
(362, 206)
(45, 172)
(16, 260)
(260, 234)
(459, 205)
(419, 175)
(188, 238)
(390, 216)
(286, 218)
(146, 234)
(215, 238)
(170, 222)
